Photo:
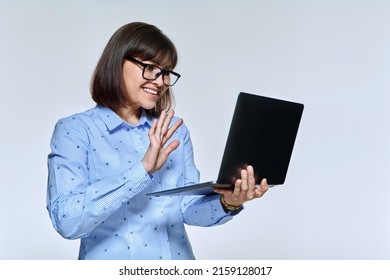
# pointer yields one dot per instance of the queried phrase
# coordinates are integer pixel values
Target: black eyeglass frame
(162, 72)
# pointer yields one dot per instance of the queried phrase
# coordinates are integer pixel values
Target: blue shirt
(97, 186)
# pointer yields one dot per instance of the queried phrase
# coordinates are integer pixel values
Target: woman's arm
(76, 202)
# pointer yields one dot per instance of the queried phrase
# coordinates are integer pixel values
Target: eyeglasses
(152, 72)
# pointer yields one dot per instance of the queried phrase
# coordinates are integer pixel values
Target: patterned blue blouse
(97, 186)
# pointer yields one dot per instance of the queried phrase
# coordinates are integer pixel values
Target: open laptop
(262, 134)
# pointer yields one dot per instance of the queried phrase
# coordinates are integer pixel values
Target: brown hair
(136, 39)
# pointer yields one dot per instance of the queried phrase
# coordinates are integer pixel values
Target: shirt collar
(113, 121)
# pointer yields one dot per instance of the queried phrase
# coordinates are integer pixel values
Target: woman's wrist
(229, 207)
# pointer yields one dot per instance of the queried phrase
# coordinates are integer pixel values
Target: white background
(333, 56)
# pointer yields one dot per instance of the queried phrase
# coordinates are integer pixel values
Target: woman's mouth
(151, 91)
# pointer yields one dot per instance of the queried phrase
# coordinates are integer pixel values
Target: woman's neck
(129, 115)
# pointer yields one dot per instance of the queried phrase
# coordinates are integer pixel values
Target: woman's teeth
(148, 90)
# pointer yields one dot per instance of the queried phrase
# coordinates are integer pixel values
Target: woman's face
(141, 93)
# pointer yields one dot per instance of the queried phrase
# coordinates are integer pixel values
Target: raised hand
(159, 134)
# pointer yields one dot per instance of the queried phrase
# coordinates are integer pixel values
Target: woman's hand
(159, 134)
(244, 189)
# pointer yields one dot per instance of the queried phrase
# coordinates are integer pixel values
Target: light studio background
(333, 56)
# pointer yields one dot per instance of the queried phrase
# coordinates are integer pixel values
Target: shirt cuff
(138, 178)
(218, 204)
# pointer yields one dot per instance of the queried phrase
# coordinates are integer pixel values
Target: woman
(104, 160)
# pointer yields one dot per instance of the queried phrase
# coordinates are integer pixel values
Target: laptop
(262, 134)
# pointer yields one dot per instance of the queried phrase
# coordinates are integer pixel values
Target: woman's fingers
(166, 131)
(171, 147)
(262, 189)
(244, 183)
(251, 182)
(162, 131)
(159, 134)
(244, 188)
(166, 121)
(237, 189)
(171, 131)
(152, 133)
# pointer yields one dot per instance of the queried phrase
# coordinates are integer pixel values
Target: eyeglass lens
(152, 72)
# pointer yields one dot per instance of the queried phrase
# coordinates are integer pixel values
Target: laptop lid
(262, 133)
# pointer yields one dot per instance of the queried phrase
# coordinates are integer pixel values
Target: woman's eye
(150, 67)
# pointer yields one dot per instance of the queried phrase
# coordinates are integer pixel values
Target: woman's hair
(136, 39)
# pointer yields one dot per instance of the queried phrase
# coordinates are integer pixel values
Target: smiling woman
(140, 40)
(103, 161)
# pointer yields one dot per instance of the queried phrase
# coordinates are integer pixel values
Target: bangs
(157, 49)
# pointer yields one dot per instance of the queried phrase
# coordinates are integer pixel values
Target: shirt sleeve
(206, 211)
(201, 210)
(75, 204)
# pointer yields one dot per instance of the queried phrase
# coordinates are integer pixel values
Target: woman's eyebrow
(155, 63)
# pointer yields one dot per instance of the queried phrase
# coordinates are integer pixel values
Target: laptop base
(206, 188)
